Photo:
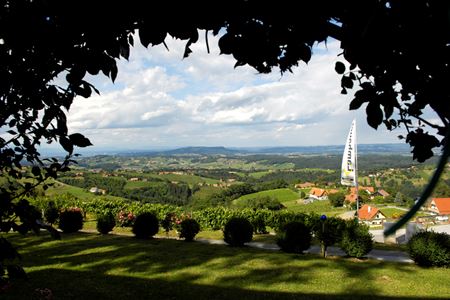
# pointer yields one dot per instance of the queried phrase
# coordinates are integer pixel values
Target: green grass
(389, 212)
(137, 184)
(258, 175)
(189, 179)
(61, 188)
(91, 266)
(318, 207)
(281, 195)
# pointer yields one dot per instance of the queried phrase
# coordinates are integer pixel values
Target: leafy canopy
(394, 53)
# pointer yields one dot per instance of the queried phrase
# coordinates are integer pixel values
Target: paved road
(385, 255)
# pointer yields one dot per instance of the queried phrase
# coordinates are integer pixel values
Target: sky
(160, 100)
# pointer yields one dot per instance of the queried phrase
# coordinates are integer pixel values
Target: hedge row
(213, 218)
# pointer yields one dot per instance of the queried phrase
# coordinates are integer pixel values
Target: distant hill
(231, 151)
(333, 149)
(201, 151)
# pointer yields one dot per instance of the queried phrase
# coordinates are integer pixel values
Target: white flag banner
(348, 169)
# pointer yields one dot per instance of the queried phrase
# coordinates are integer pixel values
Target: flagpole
(349, 164)
(356, 175)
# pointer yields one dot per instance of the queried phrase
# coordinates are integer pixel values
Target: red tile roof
(304, 185)
(383, 193)
(370, 189)
(318, 192)
(443, 205)
(350, 197)
(367, 212)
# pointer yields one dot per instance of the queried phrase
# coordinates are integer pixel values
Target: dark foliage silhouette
(394, 53)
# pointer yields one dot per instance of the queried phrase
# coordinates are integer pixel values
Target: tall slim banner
(348, 169)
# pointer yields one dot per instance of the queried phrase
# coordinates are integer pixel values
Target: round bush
(145, 226)
(295, 237)
(237, 231)
(189, 229)
(71, 220)
(356, 240)
(428, 248)
(106, 222)
(51, 213)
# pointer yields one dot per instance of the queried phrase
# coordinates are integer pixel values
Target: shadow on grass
(113, 267)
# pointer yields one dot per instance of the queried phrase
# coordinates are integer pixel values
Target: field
(91, 266)
(281, 195)
(61, 188)
(318, 207)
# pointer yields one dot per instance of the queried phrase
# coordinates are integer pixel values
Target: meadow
(93, 266)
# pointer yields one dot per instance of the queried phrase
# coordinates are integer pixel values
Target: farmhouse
(318, 194)
(350, 198)
(97, 191)
(371, 215)
(440, 207)
(369, 189)
(304, 185)
(381, 193)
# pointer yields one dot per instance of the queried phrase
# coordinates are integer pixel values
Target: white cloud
(160, 99)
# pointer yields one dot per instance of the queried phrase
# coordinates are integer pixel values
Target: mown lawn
(91, 266)
(318, 207)
(61, 188)
(281, 195)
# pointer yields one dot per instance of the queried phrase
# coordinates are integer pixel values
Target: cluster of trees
(113, 185)
(159, 192)
(291, 177)
(225, 196)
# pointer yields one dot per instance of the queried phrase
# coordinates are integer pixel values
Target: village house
(304, 185)
(440, 207)
(369, 189)
(318, 194)
(371, 215)
(97, 191)
(351, 198)
(381, 193)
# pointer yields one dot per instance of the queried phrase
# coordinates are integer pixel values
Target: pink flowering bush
(126, 219)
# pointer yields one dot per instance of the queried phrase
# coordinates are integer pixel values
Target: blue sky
(160, 100)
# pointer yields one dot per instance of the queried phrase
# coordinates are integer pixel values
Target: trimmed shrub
(105, 222)
(71, 220)
(51, 213)
(428, 248)
(168, 222)
(356, 239)
(237, 231)
(295, 237)
(327, 231)
(188, 229)
(145, 226)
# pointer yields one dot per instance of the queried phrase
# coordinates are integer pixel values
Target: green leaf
(346, 82)
(79, 140)
(36, 171)
(356, 103)
(374, 114)
(149, 35)
(339, 67)
(66, 144)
